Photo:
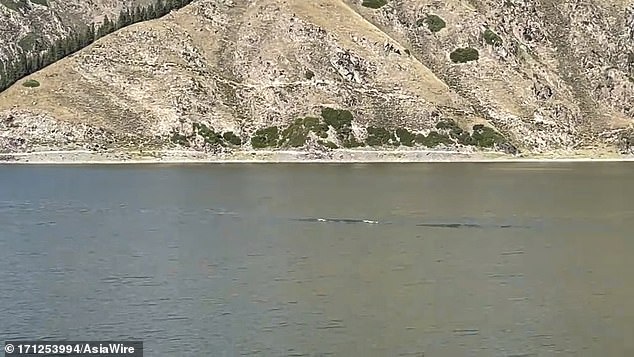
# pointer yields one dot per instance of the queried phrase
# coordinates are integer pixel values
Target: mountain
(513, 76)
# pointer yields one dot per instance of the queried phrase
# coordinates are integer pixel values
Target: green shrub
(232, 138)
(179, 139)
(463, 55)
(341, 121)
(486, 137)
(454, 130)
(433, 139)
(266, 137)
(311, 121)
(210, 136)
(40, 2)
(295, 134)
(492, 38)
(309, 74)
(337, 118)
(434, 23)
(374, 4)
(405, 136)
(378, 136)
(31, 83)
(316, 126)
(466, 139)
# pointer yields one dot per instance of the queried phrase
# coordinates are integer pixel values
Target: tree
(151, 12)
(4, 83)
(161, 9)
(137, 15)
(21, 66)
(89, 35)
(106, 27)
(125, 18)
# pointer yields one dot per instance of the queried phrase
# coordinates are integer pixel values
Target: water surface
(320, 260)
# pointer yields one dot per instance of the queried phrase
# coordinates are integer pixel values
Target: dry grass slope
(239, 66)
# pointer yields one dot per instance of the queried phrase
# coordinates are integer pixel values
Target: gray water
(321, 260)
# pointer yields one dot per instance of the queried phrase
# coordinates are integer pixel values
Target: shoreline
(181, 157)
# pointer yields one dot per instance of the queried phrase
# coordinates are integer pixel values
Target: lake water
(323, 260)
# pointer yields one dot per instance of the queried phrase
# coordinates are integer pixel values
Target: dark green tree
(21, 65)
(125, 19)
(58, 51)
(137, 15)
(161, 9)
(106, 27)
(3, 77)
(89, 35)
(151, 12)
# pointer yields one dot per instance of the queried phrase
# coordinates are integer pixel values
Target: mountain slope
(32, 25)
(253, 68)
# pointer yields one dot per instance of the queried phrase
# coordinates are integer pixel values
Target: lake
(462, 259)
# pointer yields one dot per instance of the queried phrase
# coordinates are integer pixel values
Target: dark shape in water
(336, 220)
(465, 225)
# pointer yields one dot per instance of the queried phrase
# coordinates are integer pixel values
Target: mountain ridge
(244, 67)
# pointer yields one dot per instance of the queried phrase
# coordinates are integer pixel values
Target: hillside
(218, 75)
(32, 25)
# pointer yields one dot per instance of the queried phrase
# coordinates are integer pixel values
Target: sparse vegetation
(464, 55)
(492, 38)
(309, 74)
(374, 4)
(31, 83)
(297, 133)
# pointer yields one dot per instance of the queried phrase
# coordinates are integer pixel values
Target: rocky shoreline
(82, 157)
